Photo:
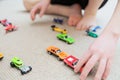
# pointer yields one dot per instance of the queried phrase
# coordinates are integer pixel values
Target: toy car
(57, 20)
(94, 29)
(92, 34)
(56, 51)
(5, 22)
(65, 38)
(1, 56)
(10, 28)
(54, 28)
(71, 61)
(18, 63)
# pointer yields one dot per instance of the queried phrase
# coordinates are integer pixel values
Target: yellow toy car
(57, 29)
(56, 51)
(1, 56)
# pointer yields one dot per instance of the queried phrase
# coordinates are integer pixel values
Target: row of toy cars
(9, 27)
(69, 60)
(15, 61)
(94, 31)
(18, 63)
(63, 36)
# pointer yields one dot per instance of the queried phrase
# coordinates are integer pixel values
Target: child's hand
(39, 8)
(102, 51)
(86, 22)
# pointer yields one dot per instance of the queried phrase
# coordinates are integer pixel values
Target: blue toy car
(94, 29)
(57, 20)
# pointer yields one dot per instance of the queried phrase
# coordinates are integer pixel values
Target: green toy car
(94, 31)
(92, 34)
(65, 38)
(18, 63)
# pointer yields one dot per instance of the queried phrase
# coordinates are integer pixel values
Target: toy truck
(65, 38)
(57, 52)
(71, 61)
(18, 63)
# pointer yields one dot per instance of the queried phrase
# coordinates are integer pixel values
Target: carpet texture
(31, 39)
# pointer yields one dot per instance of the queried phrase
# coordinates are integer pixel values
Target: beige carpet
(31, 39)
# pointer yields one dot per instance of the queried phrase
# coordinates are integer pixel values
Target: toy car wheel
(1, 58)
(22, 72)
(59, 38)
(65, 63)
(12, 64)
(4, 25)
(68, 42)
(49, 53)
(12, 29)
(53, 26)
(30, 68)
(59, 59)
(53, 29)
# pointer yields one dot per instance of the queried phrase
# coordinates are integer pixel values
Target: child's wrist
(112, 34)
(90, 13)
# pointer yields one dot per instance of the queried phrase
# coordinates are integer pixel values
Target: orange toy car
(56, 51)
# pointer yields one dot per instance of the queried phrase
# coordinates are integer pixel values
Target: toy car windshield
(18, 64)
(74, 63)
(58, 51)
(66, 36)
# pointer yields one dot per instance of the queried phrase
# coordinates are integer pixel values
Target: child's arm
(89, 18)
(40, 8)
(113, 26)
(102, 50)
(92, 7)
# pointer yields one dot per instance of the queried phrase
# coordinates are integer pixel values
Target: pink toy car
(10, 28)
(5, 22)
(71, 61)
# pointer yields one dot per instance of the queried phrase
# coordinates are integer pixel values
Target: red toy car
(71, 61)
(5, 22)
(10, 28)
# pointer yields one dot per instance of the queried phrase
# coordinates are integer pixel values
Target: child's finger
(42, 11)
(101, 69)
(82, 61)
(89, 65)
(84, 27)
(70, 21)
(78, 26)
(107, 70)
(33, 12)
